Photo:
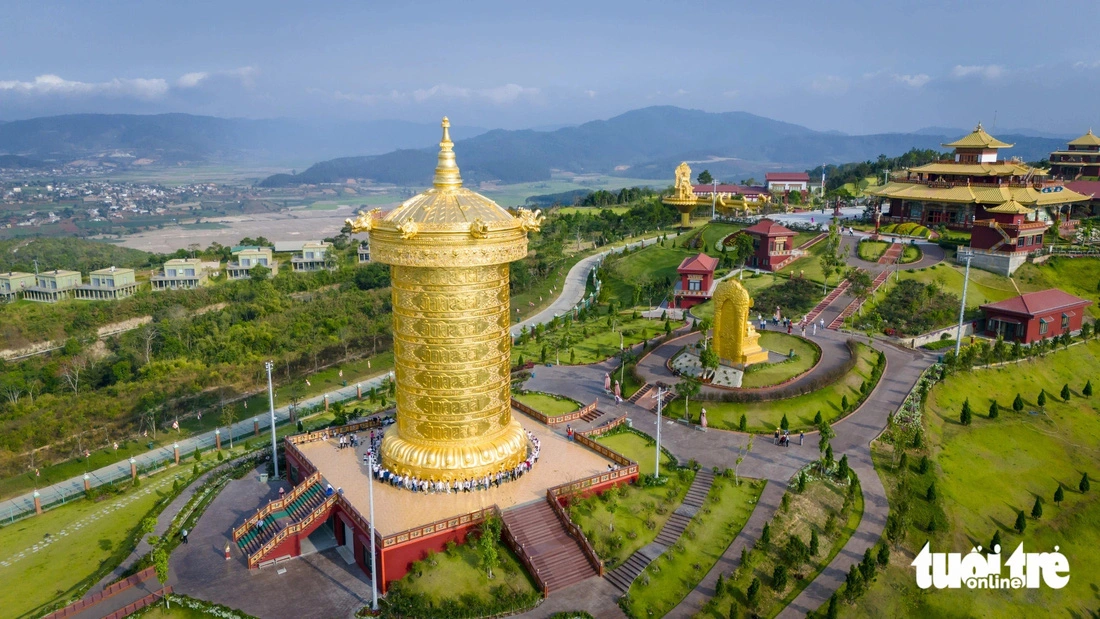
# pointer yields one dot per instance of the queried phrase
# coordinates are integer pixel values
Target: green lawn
(591, 210)
(642, 450)
(547, 404)
(175, 612)
(593, 340)
(62, 548)
(764, 417)
(752, 283)
(453, 579)
(666, 581)
(322, 382)
(806, 356)
(986, 472)
(871, 251)
(809, 266)
(911, 253)
(808, 511)
(1079, 276)
(639, 514)
(984, 287)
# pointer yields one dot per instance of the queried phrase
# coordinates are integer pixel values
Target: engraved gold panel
(449, 250)
(735, 339)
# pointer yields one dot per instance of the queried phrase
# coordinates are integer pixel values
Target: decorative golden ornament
(530, 221)
(363, 221)
(449, 250)
(735, 339)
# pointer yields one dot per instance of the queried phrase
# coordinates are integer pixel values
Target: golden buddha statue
(735, 339)
(449, 250)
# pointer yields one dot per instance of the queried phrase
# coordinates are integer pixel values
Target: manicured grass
(642, 450)
(600, 342)
(984, 287)
(809, 266)
(764, 417)
(871, 251)
(445, 577)
(175, 612)
(549, 405)
(1079, 276)
(666, 581)
(986, 472)
(639, 514)
(322, 382)
(806, 356)
(72, 540)
(808, 511)
(911, 253)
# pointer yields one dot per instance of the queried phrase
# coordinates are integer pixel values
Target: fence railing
(550, 420)
(282, 536)
(521, 552)
(575, 531)
(276, 505)
(474, 517)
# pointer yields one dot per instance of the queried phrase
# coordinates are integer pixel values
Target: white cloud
(118, 87)
(499, 95)
(1081, 64)
(190, 80)
(829, 85)
(591, 94)
(986, 71)
(914, 81)
(731, 94)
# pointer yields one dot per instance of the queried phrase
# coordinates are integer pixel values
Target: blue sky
(858, 67)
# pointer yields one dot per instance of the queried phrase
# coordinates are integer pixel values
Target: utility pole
(962, 305)
(271, 402)
(373, 567)
(713, 198)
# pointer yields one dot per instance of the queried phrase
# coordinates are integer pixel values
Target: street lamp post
(373, 567)
(713, 198)
(962, 305)
(622, 355)
(657, 461)
(271, 402)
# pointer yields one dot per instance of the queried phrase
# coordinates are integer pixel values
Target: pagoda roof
(1087, 188)
(978, 138)
(978, 194)
(700, 263)
(1089, 139)
(731, 189)
(996, 168)
(786, 176)
(768, 227)
(1011, 207)
(1036, 303)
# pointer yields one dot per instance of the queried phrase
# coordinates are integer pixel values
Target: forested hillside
(69, 253)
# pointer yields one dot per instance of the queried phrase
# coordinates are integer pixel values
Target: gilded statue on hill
(735, 339)
(684, 189)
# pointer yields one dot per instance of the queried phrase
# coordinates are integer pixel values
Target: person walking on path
(183, 535)
(801, 438)
(775, 441)
(822, 322)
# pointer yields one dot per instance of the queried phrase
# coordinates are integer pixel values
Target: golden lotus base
(443, 462)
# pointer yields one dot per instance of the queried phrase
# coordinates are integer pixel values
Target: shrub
(743, 423)
(1042, 399)
(766, 534)
(995, 542)
(1065, 392)
(883, 555)
(844, 403)
(1084, 485)
(752, 593)
(931, 494)
(1087, 391)
(817, 418)
(1037, 509)
(925, 465)
(842, 469)
(783, 423)
(779, 577)
(967, 414)
(802, 482)
(994, 410)
(1021, 522)
(1059, 495)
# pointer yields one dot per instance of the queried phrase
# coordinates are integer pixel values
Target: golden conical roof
(978, 138)
(448, 206)
(1010, 207)
(1089, 139)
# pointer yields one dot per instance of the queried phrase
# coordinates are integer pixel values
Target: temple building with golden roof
(958, 192)
(1080, 160)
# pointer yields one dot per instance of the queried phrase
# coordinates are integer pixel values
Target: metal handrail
(277, 504)
(281, 536)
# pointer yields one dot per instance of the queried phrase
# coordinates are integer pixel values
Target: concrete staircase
(301, 507)
(826, 302)
(625, 574)
(892, 254)
(592, 415)
(640, 393)
(556, 556)
(856, 303)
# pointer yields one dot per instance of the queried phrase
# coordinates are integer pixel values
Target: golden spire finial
(446, 171)
(979, 127)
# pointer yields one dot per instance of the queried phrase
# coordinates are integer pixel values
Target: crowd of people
(438, 486)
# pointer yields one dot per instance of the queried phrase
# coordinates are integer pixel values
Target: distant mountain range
(644, 144)
(641, 144)
(183, 138)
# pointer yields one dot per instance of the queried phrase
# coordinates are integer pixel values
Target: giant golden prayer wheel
(449, 250)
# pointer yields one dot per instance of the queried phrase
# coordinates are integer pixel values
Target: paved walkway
(241, 429)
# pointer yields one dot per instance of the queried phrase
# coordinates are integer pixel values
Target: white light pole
(962, 305)
(657, 462)
(373, 567)
(271, 402)
(622, 356)
(713, 197)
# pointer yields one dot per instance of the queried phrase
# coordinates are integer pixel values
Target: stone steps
(555, 555)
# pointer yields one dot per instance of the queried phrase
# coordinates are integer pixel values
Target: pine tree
(994, 410)
(815, 543)
(883, 555)
(842, 468)
(932, 524)
(844, 403)
(853, 584)
(779, 577)
(752, 592)
(1042, 399)
(1021, 522)
(1059, 496)
(1037, 509)
(833, 612)
(743, 423)
(995, 542)
(925, 465)
(903, 463)
(867, 567)
(967, 414)
(931, 494)
(783, 424)
(1065, 392)
(817, 417)
(766, 534)
(1018, 404)
(1084, 485)
(802, 482)
(1087, 391)
(719, 586)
